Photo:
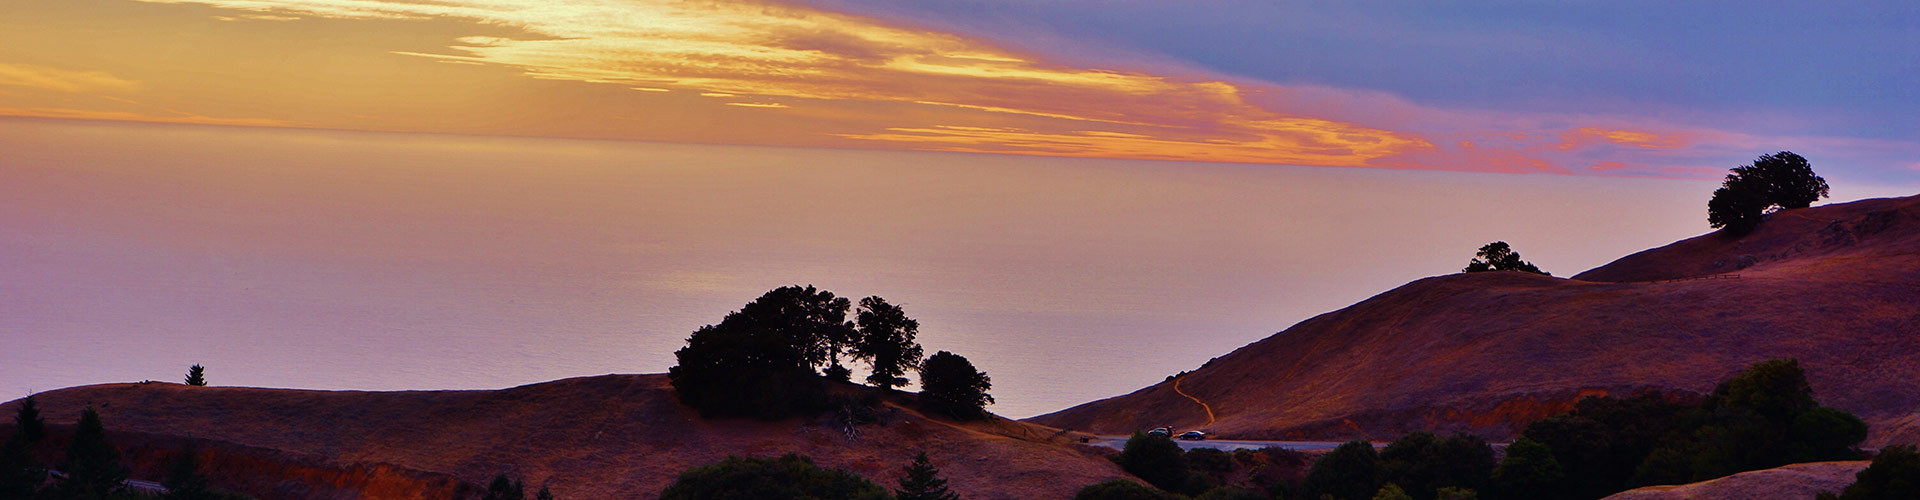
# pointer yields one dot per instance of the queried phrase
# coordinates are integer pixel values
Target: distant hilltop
(1836, 286)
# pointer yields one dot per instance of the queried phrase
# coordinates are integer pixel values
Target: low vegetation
(1893, 475)
(1762, 418)
(788, 477)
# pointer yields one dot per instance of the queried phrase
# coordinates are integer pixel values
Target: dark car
(1193, 435)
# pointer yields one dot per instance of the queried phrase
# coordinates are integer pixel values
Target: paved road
(1120, 442)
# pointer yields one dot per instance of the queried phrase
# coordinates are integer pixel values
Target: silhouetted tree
(760, 360)
(950, 384)
(21, 475)
(1452, 493)
(503, 488)
(1498, 256)
(922, 482)
(196, 375)
(1121, 489)
(28, 426)
(1528, 472)
(1157, 459)
(184, 481)
(545, 494)
(885, 342)
(92, 465)
(1422, 463)
(1777, 181)
(789, 477)
(1893, 475)
(1349, 472)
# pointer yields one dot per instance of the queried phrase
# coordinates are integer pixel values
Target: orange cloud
(45, 78)
(766, 50)
(1588, 136)
(84, 114)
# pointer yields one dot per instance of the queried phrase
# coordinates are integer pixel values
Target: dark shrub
(791, 477)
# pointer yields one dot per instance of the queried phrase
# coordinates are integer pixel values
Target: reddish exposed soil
(1837, 287)
(606, 437)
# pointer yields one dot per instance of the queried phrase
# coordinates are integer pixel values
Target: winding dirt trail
(1203, 404)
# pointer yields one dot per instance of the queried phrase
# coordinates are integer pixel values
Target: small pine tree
(93, 465)
(545, 494)
(923, 482)
(184, 481)
(27, 424)
(20, 475)
(197, 375)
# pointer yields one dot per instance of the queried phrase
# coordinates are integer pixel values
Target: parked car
(1193, 435)
(1161, 431)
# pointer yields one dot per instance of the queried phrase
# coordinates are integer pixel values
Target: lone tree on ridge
(197, 375)
(1772, 182)
(1498, 256)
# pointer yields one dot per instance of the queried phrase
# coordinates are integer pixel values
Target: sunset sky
(435, 194)
(1613, 88)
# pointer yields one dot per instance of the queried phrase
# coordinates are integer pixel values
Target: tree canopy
(761, 360)
(1157, 459)
(885, 341)
(1772, 182)
(1498, 256)
(1349, 472)
(950, 384)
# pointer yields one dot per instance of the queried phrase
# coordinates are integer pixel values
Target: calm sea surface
(347, 260)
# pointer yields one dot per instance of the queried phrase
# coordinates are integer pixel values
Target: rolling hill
(1836, 286)
(605, 437)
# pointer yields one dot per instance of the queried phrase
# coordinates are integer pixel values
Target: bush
(949, 384)
(1391, 492)
(791, 477)
(1498, 256)
(1349, 472)
(1764, 417)
(1893, 475)
(1422, 463)
(1157, 459)
(1529, 471)
(1121, 489)
(1231, 493)
(1781, 180)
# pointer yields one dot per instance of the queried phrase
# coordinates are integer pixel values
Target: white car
(1161, 431)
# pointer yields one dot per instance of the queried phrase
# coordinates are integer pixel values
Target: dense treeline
(1764, 417)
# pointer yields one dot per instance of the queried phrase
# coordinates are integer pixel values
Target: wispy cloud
(876, 83)
(62, 80)
(176, 117)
